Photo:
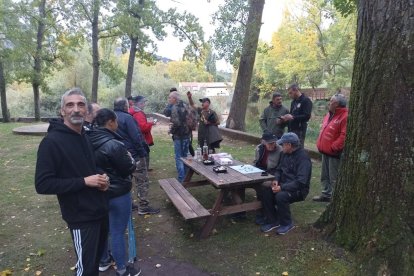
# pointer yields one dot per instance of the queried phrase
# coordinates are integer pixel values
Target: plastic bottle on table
(205, 150)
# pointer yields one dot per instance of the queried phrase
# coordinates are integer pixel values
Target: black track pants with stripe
(89, 242)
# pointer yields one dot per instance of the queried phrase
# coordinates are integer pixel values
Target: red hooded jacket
(143, 124)
(331, 140)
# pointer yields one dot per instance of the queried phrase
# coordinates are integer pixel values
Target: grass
(34, 238)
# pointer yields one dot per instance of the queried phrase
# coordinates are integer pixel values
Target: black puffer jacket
(113, 158)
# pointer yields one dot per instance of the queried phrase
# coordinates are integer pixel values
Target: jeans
(181, 150)
(329, 174)
(119, 214)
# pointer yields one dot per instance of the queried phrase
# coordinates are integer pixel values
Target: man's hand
(275, 186)
(99, 181)
(287, 117)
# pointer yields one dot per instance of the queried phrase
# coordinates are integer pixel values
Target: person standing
(134, 141)
(88, 123)
(330, 143)
(300, 113)
(291, 184)
(137, 111)
(112, 156)
(208, 124)
(180, 131)
(65, 167)
(270, 121)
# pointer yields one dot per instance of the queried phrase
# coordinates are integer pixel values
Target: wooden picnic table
(230, 182)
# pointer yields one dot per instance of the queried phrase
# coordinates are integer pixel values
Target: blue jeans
(119, 214)
(181, 150)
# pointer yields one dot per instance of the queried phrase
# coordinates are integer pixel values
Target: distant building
(207, 89)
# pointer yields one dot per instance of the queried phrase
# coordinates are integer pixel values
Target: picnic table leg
(188, 177)
(212, 219)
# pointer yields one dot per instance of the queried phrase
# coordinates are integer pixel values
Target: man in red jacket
(331, 143)
(137, 111)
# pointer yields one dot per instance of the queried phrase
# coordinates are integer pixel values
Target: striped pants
(89, 242)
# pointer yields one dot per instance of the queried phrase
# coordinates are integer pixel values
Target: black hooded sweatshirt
(64, 158)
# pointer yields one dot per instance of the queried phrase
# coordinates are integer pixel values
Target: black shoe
(148, 210)
(321, 198)
(130, 271)
(134, 207)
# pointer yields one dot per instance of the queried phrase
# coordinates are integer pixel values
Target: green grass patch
(34, 237)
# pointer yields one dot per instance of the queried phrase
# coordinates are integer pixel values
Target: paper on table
(245, 169)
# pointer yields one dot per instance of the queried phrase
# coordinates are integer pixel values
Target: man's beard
(76, 119)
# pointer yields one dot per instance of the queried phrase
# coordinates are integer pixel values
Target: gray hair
(340, 98)
(175, 95)
(121, 104)
(72, 91)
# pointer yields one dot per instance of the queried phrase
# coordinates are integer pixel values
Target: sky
(203, 9)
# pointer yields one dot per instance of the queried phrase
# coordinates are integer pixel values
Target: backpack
(191, 118)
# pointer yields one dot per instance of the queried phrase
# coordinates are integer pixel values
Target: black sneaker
(130, 271)
(105, 266)
(321, 198)
(148, 210)
(134, 207)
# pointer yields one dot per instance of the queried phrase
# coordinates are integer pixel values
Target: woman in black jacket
(113, 158)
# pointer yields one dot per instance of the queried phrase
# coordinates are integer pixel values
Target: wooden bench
(186, 204)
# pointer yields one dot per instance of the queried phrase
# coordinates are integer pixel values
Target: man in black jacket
(300, 113)
(66, 167)
(134, 141)
(291, 184)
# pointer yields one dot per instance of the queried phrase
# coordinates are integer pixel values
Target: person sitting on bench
(291, 184)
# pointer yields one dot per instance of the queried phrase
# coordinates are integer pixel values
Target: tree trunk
(131, 63)
(37, 72)
(238, 107)
(4, 110)
(372, 211)
(95, 51)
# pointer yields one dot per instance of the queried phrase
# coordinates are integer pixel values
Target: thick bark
(37, 72)
(131, 62)
(4, 110)
(95, 51)
(372, 209)
(238, 107)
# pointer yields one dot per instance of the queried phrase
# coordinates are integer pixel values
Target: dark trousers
(276, 205)
(89, 243)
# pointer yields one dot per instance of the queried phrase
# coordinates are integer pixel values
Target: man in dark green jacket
(270, 121)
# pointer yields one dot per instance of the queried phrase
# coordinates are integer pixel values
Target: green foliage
(228, 37)
(313, 48)
(345, 7)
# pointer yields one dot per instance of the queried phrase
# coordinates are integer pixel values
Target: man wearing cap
(137, 111)
(291, 184)
(270, 121)
(330, 143)
(208, 131)
(300, 113)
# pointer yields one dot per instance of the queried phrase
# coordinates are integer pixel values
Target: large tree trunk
(95, 51)
(372, 211)
(37, 72)
(4, 110)
(238, 107)
(131, 63)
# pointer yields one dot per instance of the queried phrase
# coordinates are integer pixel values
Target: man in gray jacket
(270, 121)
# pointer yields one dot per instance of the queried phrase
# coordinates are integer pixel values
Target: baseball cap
(289, 137)
(205, 100)
(268, 138)
(138, 99)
